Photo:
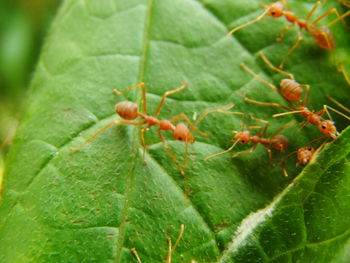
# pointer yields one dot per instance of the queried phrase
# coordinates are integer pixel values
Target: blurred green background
(23, 25)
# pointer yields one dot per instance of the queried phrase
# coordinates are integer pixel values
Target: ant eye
(323, 127)
(309, 149)
(180, 138)
(243, 141)
(273, 13)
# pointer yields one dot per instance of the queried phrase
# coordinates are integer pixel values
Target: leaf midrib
(136, 135)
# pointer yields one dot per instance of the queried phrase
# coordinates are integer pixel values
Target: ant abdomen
(291, 89)
(279, 142)
(324, 38)
(127, 110)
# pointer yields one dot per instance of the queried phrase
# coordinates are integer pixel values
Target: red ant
(322, 35)
(275, 141)
(129, 111)
(304, 156)
(171, 247)
(290, 91)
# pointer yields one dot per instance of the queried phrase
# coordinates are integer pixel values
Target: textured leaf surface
(95, 204)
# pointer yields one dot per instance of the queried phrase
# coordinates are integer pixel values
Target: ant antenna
(331, 99)
(261, 17)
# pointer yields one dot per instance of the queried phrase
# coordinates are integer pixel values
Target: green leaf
(95, 204)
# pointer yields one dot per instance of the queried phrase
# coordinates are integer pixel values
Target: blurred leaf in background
(23, 24)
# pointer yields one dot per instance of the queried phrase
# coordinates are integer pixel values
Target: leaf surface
(95, 204)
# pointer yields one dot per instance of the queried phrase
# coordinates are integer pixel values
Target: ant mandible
(291, 91)
(275, 141)
(322, 35)
(129, 111)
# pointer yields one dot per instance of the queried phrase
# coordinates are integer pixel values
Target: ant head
(275, 9)
(304, 154)
(243, 137)
(328, 128)
(183, 133)
(280, 142)
(127, 110)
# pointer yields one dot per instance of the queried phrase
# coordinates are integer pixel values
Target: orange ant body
(129, 111)
(322, 35)
(304, 155)
(275, 141)
(291, 91)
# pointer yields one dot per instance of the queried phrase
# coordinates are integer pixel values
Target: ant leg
(104, 128)
(245, 153)
(335, 11)
(251, 72)
(306, 97)
(133, 250)
(267, 104)
(166, 94)
(289, 124)
(342, 70)
(226, 151)
(289, 75)
(338, 103)
(172, 249)
(170, 153)
(143, 130)
(261, 121)
(269, 152)
(193, 126)
(206, 112)
(316, 5)
(303, 124)
(283, 32)
(261, 17)
(339, 18)
(290, 51)
(142, 86)
(287, 113)
(326, 108)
